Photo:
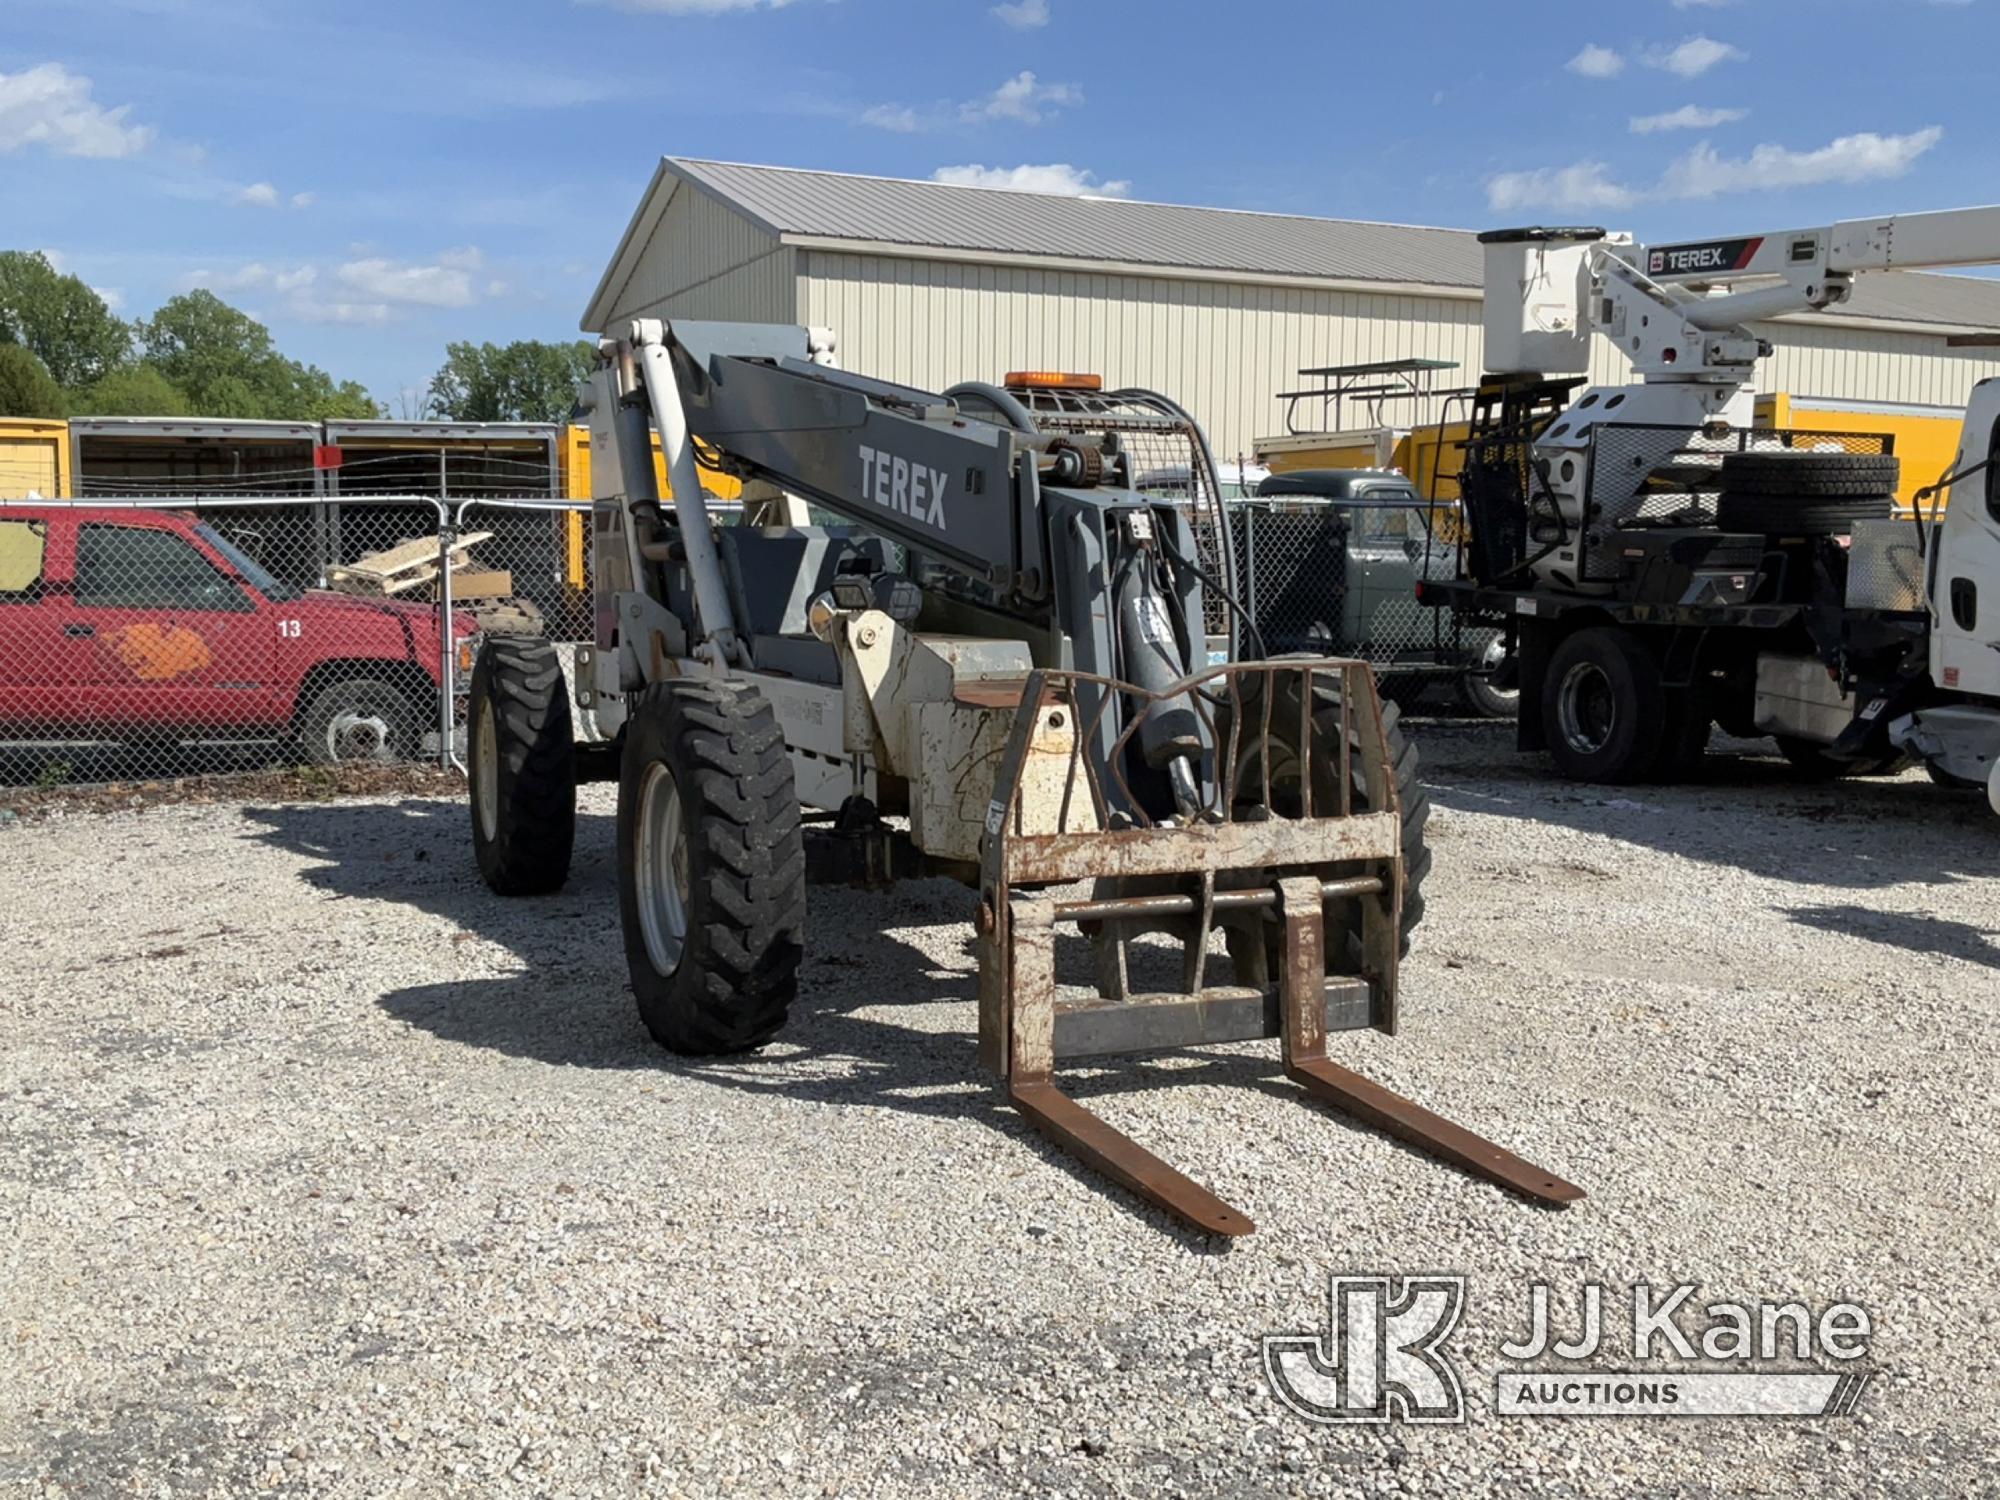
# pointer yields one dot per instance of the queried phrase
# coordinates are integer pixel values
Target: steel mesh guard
(1641, 476)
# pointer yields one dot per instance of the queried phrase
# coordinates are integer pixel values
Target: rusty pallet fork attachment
(1215, 869)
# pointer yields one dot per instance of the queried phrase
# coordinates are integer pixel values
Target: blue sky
(376, 179)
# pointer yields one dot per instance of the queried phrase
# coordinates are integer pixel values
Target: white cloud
(1596, 62)
(256, 276)
(891, 117)
(1705, 173)
(1024, 13)
(363, 290)
(1055, 177)
(113, 297)
(260, 194)
(1022, 97)
(50, 106)
(1862, 157)
(376, 279)
(313, 310)
(1694, 56)
(304, 200)
(1687, 117)
(691, 7)
(1582, 185)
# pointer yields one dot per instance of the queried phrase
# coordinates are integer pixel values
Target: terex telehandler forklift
(1664, 564)
(985, 673)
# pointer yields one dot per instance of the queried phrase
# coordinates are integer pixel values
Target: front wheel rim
(486, 772)
(358, 735)
(662, 873)
(1586, 708)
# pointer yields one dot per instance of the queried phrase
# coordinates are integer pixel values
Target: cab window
(141, 567)
(22, 545)
(1381, 522)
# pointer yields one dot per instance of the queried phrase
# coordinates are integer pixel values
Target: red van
(149, 625)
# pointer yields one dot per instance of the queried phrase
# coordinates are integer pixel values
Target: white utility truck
(1663, 565)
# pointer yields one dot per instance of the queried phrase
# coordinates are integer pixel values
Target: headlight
(468, 652)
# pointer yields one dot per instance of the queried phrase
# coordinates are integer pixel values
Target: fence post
(448, 647)
(1249, 594)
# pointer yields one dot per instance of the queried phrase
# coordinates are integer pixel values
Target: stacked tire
(1787, 493)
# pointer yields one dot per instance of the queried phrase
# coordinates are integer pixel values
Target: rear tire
(1604, 710)
(521, 767)
(711, 867)
(1413, 802)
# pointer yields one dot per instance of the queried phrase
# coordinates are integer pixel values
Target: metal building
(929, 284)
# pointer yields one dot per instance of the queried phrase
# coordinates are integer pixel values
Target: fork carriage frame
(1293, 865)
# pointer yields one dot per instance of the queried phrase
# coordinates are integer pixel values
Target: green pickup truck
(1328, 560)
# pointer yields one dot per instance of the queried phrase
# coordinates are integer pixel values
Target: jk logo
(1381, 1357)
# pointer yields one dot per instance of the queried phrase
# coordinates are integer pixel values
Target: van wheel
(1604, 710)
(1492, 687)
(521, 767)
(711, 867)
(359, 721)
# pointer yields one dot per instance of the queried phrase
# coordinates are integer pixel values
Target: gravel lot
(323, 1170)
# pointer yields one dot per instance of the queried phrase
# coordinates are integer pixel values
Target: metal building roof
(830, 205)
(837, 209)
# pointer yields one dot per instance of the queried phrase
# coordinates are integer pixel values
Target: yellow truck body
(34, 458)
(1926, 440)
(1428, 455)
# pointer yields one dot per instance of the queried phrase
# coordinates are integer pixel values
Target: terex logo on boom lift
(1712, 255)
(913, 490)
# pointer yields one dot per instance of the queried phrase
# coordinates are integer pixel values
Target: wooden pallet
(398, 570)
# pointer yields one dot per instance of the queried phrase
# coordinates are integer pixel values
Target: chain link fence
(1340, 578)
(166, 636)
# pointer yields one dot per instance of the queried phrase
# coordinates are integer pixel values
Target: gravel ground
(324, 1171)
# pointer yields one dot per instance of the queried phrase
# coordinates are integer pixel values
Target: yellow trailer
(34, 459)
(573, 460)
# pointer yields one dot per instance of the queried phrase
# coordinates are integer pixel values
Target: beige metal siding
(1857, 363)
(1224, 349)
(1221, 349)
(1862, 364)
(705, 261)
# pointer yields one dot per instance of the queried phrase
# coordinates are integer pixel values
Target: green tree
(26, 387)
(316, 394)
(136, 391)
(226, 363)
(525, 381)
(65, 323)
(199, 342)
